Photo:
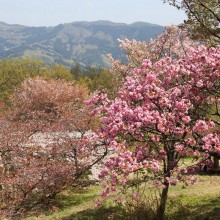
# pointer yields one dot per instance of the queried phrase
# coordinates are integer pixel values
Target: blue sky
(54, 12)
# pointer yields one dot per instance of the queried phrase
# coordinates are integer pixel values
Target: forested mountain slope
(83, 42)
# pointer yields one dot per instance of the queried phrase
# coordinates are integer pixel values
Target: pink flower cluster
(159, 114)
(212, 142)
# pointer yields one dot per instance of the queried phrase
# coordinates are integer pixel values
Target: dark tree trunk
(162, 206)
(216, 163)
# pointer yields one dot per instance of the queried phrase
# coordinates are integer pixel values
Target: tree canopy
(163, 112)
(14, 71)
(203, 18)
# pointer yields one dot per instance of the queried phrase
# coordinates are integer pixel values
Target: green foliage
(203, 18)
(95, 78)
(76, 71)
(14, 71)
(56, 72)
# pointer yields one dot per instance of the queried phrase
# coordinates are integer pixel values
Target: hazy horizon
(79, 22)
(38, 13)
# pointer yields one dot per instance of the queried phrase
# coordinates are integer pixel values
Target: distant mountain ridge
(81, 41)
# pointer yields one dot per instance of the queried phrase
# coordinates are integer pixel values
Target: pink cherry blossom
(136, 196)
(167, 91)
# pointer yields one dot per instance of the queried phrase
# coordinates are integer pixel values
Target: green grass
(199, 201)
(69, 202)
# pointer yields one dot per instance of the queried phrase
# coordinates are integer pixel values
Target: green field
(199, 201)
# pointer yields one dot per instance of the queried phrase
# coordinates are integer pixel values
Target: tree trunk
(216, 163)
(162, 206)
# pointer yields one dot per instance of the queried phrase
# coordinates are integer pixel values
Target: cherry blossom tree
(167, 108)
(47, 142)
(173, 43)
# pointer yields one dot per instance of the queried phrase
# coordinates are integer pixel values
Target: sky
(54, 12)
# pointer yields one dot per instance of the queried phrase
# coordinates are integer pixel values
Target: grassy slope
(70, 202)
(199, 201)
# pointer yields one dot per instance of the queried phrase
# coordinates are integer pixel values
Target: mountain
(83, 42)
